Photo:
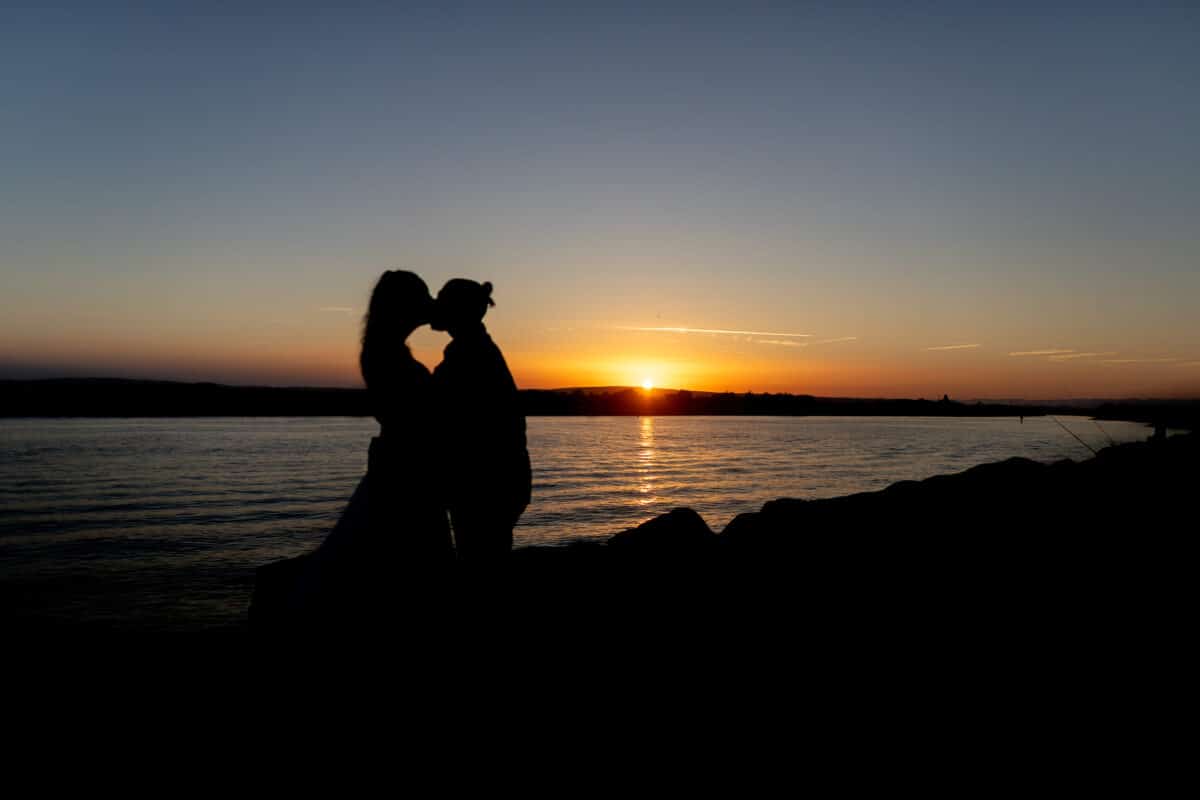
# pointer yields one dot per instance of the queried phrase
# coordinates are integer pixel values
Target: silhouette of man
(484, 458)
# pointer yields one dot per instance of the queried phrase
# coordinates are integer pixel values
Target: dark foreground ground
(1050, 549)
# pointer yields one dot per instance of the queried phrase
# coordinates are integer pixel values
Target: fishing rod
(1106, 436)
(1068, 430)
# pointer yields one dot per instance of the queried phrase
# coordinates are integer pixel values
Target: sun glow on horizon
(647, 384)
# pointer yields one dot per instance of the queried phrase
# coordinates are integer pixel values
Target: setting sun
(647, 384)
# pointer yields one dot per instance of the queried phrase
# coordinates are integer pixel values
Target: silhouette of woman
(395, 525)
(484, 459)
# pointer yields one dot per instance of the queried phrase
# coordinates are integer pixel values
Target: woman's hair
(399, 303)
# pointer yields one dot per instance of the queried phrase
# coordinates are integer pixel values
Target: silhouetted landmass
(104, 397)
(1057, 550)
(111, 397)
(1183, 414)
(622, 402)
(108, 397)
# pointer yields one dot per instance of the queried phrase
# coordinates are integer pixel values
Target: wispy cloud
(718, 332)
(338, 309)
(1060, 354)
(1051, 352)
(954, 347)
(1073, 356)
(1139, 361)
(794, 343)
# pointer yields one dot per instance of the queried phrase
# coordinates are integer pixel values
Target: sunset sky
(837, 199)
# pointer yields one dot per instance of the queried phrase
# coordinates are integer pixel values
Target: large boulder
(274, 587)
(678, 532)
(743, 527)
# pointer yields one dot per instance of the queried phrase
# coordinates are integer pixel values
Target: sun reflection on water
(646, 462)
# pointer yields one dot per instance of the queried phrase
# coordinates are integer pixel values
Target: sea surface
(160, 523)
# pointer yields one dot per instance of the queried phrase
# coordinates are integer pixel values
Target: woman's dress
(393, 539)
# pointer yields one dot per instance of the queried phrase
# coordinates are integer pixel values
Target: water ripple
(184, 510)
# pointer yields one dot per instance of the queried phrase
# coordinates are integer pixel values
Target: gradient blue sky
(204, 191)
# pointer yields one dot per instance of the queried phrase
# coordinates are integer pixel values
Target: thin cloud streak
(1057, 352)
(793, 343)
(1073, 356)
(954, 347)
(338, 309)
(1140, 361)
(717, 331)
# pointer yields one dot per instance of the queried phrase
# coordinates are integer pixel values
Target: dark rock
(743, 526)
(678, 531)
(274, 585)
(1021, 547)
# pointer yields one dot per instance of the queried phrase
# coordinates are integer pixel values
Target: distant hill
(114, 397)
(117, 397)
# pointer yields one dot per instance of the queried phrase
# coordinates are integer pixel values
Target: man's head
(461, 304)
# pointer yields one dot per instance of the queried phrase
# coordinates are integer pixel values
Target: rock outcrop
(1109, 534)
(679, 531)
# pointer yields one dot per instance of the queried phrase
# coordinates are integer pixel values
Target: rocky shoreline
(1015, 534)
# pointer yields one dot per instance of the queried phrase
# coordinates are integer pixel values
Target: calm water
(160, 523)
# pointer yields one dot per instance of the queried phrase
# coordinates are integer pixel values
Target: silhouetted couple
(450, 451)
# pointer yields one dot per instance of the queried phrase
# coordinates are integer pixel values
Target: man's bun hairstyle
(462, 301)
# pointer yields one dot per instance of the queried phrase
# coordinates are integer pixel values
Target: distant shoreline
(120, 398)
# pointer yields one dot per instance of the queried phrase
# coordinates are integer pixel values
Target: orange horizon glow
(866, 370)
(843, 352)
